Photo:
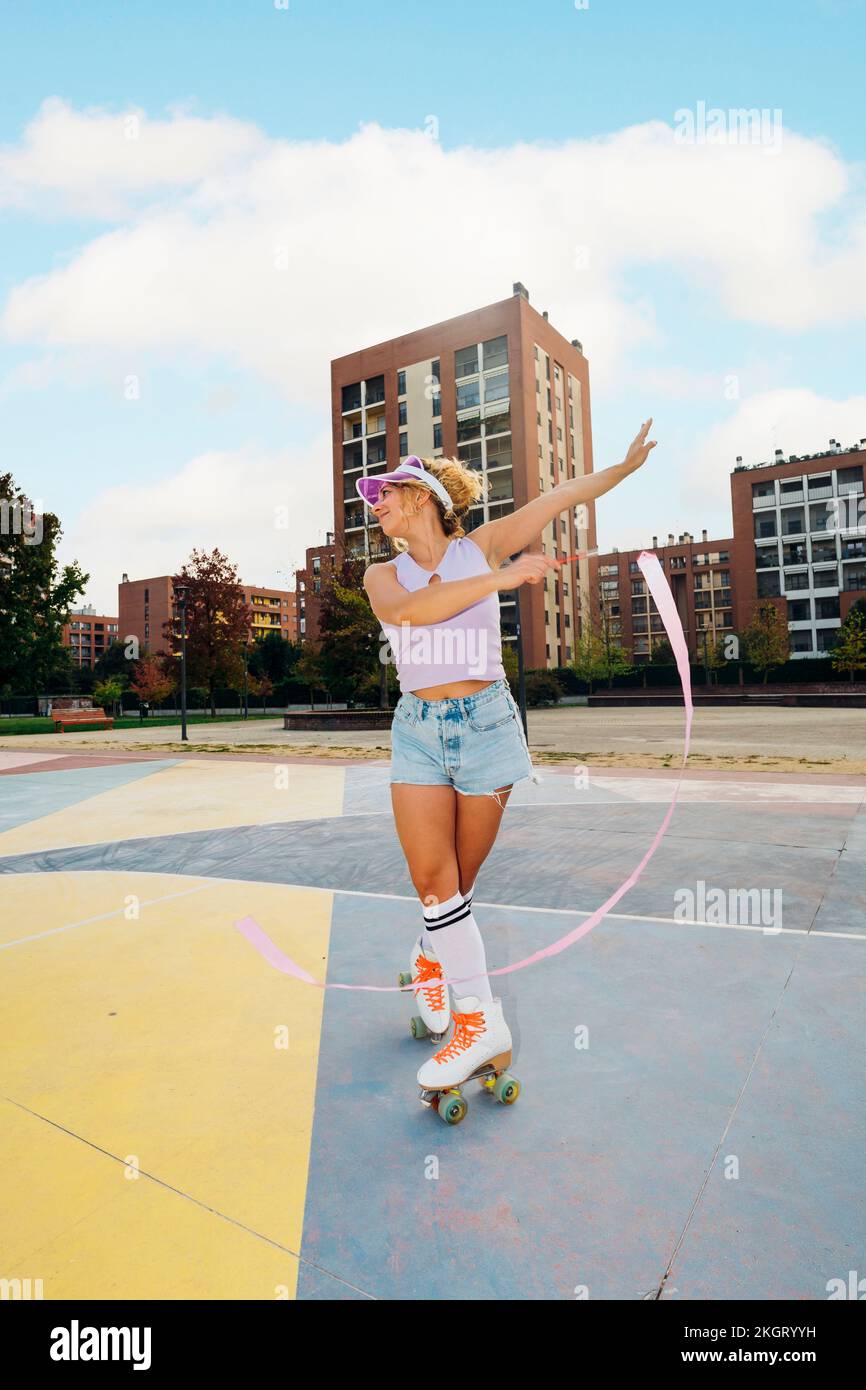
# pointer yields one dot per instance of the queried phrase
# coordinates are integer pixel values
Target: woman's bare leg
(478, 820)
(425, 818)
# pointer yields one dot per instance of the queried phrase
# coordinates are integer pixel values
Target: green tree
(350, 640)
(512, 670)
(543, 688)
(261, 687)
(107, 694)
(217, 624)
(113, 662)
(765, 640)
(308, 670)
(590, 662)
(662, 654)
(274, 657)
(36, 595)
(849, 649)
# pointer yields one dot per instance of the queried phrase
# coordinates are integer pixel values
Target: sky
(202, 204)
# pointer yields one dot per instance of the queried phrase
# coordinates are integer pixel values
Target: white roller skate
(424, 977)
(479, 1049)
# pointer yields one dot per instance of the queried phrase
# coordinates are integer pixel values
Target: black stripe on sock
(457, 915)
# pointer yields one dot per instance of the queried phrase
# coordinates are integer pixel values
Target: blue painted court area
(28, 796)
(691, 1123)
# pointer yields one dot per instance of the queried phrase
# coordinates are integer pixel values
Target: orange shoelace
(429, 970)
(467, 1027)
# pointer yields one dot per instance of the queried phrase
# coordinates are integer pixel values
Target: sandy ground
(775, 739)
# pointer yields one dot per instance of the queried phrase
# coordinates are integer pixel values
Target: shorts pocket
(491, 715)
(404, 714)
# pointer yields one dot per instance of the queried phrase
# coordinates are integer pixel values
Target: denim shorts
(474, 743)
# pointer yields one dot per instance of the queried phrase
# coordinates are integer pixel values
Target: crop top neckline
(445, 555)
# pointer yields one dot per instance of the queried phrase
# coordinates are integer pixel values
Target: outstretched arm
(436, 603)
(509, 534)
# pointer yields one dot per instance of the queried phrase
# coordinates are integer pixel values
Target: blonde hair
(463, 485)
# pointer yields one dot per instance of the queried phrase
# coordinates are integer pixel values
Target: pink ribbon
(660, 589)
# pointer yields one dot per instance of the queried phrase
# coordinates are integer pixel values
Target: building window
(468, 395)
(495, 352)
(466, 361)
(768, 585)
(402, 413)
(496, 387)
(437, 434)
(404, 445)
(401, 383)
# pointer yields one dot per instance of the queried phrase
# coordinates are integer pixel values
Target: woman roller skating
(457, 741)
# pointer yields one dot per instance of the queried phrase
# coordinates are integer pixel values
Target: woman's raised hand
(638, 450)
(528, 569)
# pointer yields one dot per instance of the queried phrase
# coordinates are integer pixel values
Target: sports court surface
(181, 1120)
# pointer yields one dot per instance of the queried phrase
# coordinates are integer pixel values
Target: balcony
(765, 500)
(767, 558)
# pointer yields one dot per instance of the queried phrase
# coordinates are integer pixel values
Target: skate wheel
(506, 1088)
(452, 1107)
(417, 1027)
(404, 979)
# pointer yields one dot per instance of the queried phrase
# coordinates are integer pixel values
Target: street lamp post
(521, 673)
(180, 594)
(246, 685)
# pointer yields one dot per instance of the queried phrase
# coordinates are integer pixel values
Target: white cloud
(234, 501)
(100, 163)
(795, 421)
(277, 255)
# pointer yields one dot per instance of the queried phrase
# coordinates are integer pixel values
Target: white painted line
(104, 916)
(477, 902)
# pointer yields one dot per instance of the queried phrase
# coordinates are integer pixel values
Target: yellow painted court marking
(74, 1221)
(156, 1038)
(187, 797)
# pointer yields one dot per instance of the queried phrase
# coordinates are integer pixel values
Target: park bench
(66, 717)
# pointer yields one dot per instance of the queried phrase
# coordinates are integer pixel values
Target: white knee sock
(452, 933)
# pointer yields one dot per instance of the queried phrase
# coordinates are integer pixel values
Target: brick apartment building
(320, 562)
(88, 634)
(702, 583)
(145, 605)
(501, 389)
(799, 539)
